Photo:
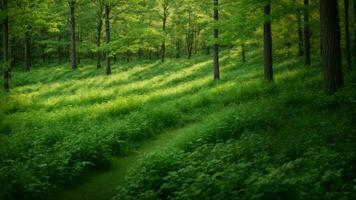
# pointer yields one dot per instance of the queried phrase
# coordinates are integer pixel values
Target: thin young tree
(5, 37)
(107, 32)
(216, 44)
(27, 49)
(73, 45)
(306, 32)
(300, 33)
(165, 9)
(98, 36)
(331, 53)
(267, 35)
(347, 32)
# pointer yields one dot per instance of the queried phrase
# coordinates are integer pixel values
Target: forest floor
(168, 131)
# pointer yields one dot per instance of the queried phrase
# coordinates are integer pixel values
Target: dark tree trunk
(243, 53)
(306, 34)
(98, 38)
(59, 49)
(216, 45)
(268, 68)
(178, 48)
(107, 30)
(73, 46)
(28, 53)
(127, 56)
(5, 37)
(300, 34)
(354, 26)
(163, 48)
(329, 23)
(347, 33)
(190, 41)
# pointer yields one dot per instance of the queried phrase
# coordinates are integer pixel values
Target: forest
(177, 99)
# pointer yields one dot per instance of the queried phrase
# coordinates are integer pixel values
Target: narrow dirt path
(102, 185)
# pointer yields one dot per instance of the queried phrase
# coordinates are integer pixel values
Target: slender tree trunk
(300, 34)
(73, 46)
(306, 34)
(178, 48)
(163, 48)
(59, 49)
(329, 23)
(5, 37)
(347, 33)
(216, 45)
(27, 50)
(98, 38)
(107, 28)
(128, 56)
(354, 25)
(268, 68)
(243, 52)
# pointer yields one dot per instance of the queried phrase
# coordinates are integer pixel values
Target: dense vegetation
(261, 92)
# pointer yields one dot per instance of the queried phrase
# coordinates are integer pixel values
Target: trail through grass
(102, 185)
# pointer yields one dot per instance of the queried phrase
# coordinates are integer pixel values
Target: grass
(58, 126)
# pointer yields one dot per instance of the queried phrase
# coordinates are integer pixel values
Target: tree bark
(216, 45)
(306, 34)
(73, 46)
(107, 29)
(5, 37)
(268, 68)
(163, 48)
(300, 34)
(178, 48)
(347, 33)
(27, 51)
(98, 38)
(329, 23)
(243, 52)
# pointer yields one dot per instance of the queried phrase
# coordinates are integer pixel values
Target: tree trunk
(354, 25)
(306, 34)
(347, 33)
(178, 48)
(59, 49)
(329, 23)
(243, 52)
(216, 45)
(268, 68)
(98, 38)
(163, 48)
(107, 29)
(300, 34)
(5, 37)
(127, 56)
(28, 56)
(73, 46)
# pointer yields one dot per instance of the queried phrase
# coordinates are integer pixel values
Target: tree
(73, 48)
(331, 53)
(347, 32)
(267, 34)
(107, 31)
(216, 45)
(5, 37)
(306, 32)
(99, 30)
(165, 8)
(300, 32)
